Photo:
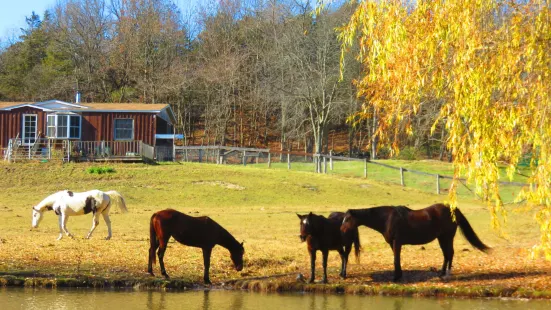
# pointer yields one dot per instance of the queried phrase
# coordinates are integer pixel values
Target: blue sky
(13, 13)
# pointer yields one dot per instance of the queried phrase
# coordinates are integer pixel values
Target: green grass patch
(425, 183)
(100, 170)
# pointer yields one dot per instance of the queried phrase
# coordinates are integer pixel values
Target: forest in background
(237, 72)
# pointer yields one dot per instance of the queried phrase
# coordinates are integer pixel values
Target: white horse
(66, 203)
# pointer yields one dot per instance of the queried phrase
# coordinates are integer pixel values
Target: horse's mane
(402, 211)
(368, 211)
(227, 238)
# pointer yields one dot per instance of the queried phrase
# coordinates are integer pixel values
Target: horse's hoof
(108, 238)
(310, 281)
(166, 276)
(324, 281)
(208, 282)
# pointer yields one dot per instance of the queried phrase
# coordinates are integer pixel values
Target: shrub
(409, 153)
(100, 170)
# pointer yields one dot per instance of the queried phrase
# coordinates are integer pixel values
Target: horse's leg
(64, 219)
(107, 220)
(163, 241)
(95, 222)
(312, 266)
(154, 246)
(397, 248)
(344, 260)
(60, 222)
(444, 246)
(324, 254)
(450, 256)
(206, 261)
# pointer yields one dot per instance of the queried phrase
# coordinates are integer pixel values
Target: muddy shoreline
(275, 284)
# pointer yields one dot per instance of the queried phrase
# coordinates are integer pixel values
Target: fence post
(365, 168)
(315, 161)
(288, 161)
(200, 155)
(49, 150)
(221, 155)
(437, 184)
(244, 158)
(402, 176)
(324, 164)
(173, 150)
(269, 160)
(331, 160)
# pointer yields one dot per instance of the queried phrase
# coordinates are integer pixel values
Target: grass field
(257, 205)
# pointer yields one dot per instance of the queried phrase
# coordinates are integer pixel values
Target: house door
(29, 129)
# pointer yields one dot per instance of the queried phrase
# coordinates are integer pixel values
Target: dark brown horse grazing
(324, 234)
(401, 225)
(201, 232)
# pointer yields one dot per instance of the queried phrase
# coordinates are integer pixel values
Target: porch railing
(66, 150)
(105, 149)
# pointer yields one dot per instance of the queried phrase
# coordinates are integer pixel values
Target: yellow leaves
(491, 74)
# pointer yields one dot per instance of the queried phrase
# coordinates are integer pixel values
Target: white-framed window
(63, 126)
(50, 125)
(29, 129)
(124, 129)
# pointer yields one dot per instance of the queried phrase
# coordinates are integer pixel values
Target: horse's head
(349, 222)
(237, 257)
(305, 226)
(38, 215)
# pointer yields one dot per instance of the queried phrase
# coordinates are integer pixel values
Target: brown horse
(401, 225)
(201, 232)
(324, 234)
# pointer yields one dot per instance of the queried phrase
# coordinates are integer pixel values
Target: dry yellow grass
(255, 205)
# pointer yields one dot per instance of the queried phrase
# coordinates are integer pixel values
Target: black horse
(324, 234)
(401, 225)
(201, 232)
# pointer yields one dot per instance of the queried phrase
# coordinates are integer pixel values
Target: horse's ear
(70, 193)
(242, 243)
(310, 214)
(299, 216)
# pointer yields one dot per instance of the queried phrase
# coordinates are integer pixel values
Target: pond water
(21, 298)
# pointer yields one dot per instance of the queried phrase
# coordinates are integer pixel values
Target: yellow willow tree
(487, 64)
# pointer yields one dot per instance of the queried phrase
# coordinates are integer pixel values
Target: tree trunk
(374, 138)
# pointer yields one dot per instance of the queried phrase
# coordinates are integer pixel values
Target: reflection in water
(398, 303)
(19, 298)
(206, 304)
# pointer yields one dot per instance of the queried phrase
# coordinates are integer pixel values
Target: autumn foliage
(486, 65)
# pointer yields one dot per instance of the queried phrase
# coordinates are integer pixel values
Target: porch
(46, 149)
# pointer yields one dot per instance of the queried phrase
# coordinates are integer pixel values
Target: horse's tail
(469, 233)
(116, 199)
(152, 240)
(357, 247)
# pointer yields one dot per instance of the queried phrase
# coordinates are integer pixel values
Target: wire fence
(437, 181)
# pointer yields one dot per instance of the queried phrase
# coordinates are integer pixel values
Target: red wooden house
(87, 130)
